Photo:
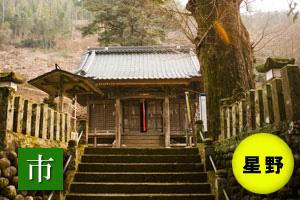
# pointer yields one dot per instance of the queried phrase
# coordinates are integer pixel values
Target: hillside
(280, 39)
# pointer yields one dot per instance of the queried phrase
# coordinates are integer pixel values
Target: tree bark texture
(226, 66)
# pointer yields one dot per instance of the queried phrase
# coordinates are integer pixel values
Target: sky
(267, 5)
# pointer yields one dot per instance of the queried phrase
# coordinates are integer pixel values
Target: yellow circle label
(263, 163)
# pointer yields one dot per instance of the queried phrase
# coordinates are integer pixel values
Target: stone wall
(24, 123)
(9, 165)
(223, 155)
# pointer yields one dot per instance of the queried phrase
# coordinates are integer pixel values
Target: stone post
(28, 114)
(36, 119)
(8, 85)
(63, 127)
(259, 108)
(220, 184)
(51, 124)
(278, 101)
(18, 114)
(208, 151)
(291, 92)
(251, 121)
(44, 121)
(58, 126)
(242, 115)
(222, 123)
(234, 119)
(229, 121)
(72, 151)
(268, 104)
(5, 105)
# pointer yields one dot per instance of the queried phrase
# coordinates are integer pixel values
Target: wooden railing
(273, 102)
(38, 120)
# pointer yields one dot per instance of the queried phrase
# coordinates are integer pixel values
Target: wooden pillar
(44, 121)
(51, 124)
(18, 114)
(167, 122)
(278, 101)
(291, 90)
(61, 95)
(87, 124)
(28, 110)
(118, 122)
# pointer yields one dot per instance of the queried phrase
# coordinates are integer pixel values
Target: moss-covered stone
(19, 197)
(9, 172)
(274, 63)
(4, 163)
(3, 182)
(9, 192)
(10, 77)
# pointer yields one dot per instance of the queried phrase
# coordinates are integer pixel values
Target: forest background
(36, 34)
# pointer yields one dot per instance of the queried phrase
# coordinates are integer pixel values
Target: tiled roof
(118, 63)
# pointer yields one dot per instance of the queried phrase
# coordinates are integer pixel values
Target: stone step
(129, 144)
(139, 188)
(147, 196)
(140, 151)
(191, 177)
(140, 167)
(99, 158)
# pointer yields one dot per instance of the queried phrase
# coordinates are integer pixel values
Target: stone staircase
(140, 174)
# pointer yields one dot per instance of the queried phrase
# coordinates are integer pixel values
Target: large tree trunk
(226, 64)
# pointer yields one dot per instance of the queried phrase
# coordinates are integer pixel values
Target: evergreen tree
(126, 22)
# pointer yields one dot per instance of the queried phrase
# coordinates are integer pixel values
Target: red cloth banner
(144, 120)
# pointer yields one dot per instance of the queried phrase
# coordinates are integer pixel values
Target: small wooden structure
(135, 96)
